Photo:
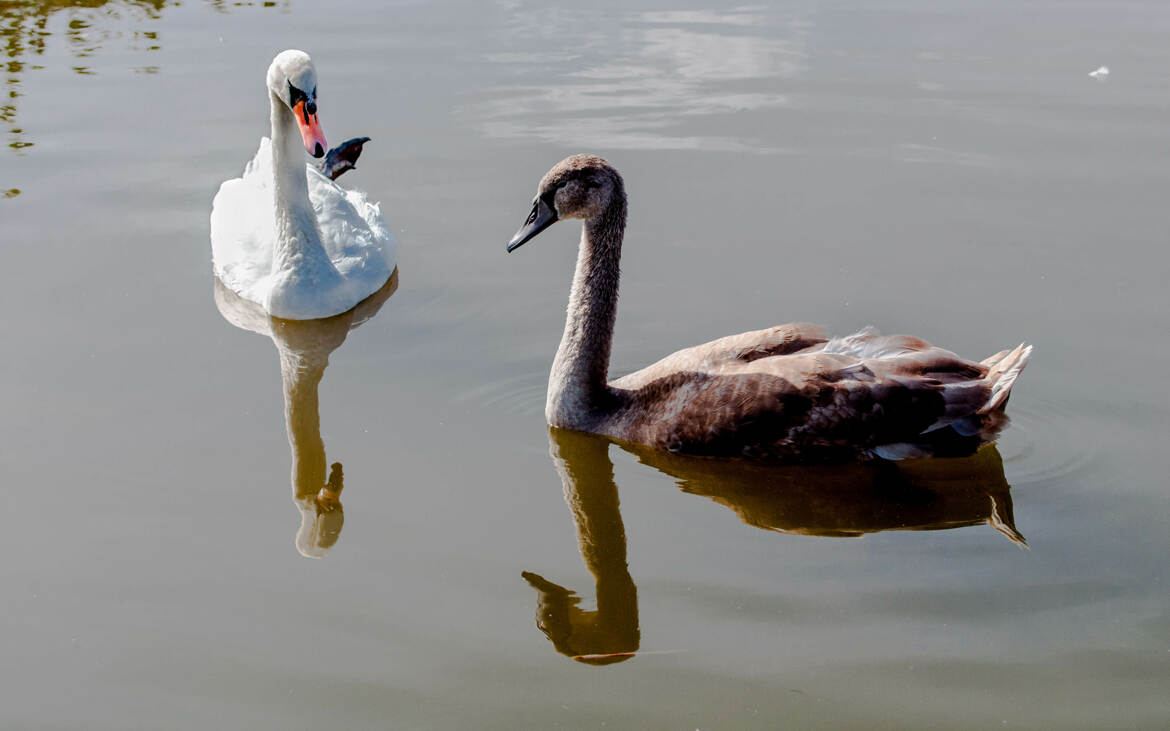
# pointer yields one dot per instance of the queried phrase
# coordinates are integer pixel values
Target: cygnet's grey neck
(296, 224)
(578, 394)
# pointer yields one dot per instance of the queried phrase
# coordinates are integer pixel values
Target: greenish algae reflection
(87, 27)
(304, 347)
(834, 501)
(24, 28)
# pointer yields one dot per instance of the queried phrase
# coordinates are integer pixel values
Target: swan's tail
(974, 412)
(1004, 368)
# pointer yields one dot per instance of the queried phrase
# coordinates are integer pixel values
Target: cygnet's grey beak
(542, 217)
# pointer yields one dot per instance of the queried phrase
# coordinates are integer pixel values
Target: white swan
(284, 235)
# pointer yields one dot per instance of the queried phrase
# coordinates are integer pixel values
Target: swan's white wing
(354, 233)
(243, 228)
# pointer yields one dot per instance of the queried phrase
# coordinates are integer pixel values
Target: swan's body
(782, 393)
(285, 236)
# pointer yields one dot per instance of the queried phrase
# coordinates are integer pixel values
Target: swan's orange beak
(306, 115)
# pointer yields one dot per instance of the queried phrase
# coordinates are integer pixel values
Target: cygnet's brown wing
(849, 396)
(733, 349)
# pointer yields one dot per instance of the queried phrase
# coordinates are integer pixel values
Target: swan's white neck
(578, 395)
(297, 235)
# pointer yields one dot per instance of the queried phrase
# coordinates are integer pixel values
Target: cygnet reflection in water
(304, 347)
(837, 501)
(853, 499)
(610, 634)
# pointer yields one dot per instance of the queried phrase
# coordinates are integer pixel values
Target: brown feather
(782, 393)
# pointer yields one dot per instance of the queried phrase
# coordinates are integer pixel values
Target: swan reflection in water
(837, 501)
(304, 347)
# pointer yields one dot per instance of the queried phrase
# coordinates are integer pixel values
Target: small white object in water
(1100, 73)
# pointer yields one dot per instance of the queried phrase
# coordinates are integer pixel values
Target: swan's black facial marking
(296, 96)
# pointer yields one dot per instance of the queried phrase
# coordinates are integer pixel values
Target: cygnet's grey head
(580, 186)
(292, 78)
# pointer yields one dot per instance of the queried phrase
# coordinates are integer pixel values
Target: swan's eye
(295, 95)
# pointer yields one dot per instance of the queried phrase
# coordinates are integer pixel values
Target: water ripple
(642, 83)
(519, 393)
(1046, 441)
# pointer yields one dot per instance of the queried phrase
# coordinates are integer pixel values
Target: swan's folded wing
(810, 403)
(243, 228)
(732, 350)
(353, 230)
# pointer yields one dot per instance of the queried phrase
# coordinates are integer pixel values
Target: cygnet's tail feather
(973, 411)
(991, 360)
(1005, 368)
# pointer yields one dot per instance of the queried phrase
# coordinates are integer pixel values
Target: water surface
(946, 171)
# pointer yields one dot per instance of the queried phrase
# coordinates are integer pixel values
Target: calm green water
(950, 172)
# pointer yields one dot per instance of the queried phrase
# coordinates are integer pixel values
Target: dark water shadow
(304, 347)
(836, 501)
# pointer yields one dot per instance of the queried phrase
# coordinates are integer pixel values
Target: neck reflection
(610, 633)
(833, 501)
(304, 347)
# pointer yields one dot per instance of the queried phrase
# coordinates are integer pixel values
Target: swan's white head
(580, 186)
(292, 78)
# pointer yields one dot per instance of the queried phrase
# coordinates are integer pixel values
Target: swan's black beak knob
(542, 216)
